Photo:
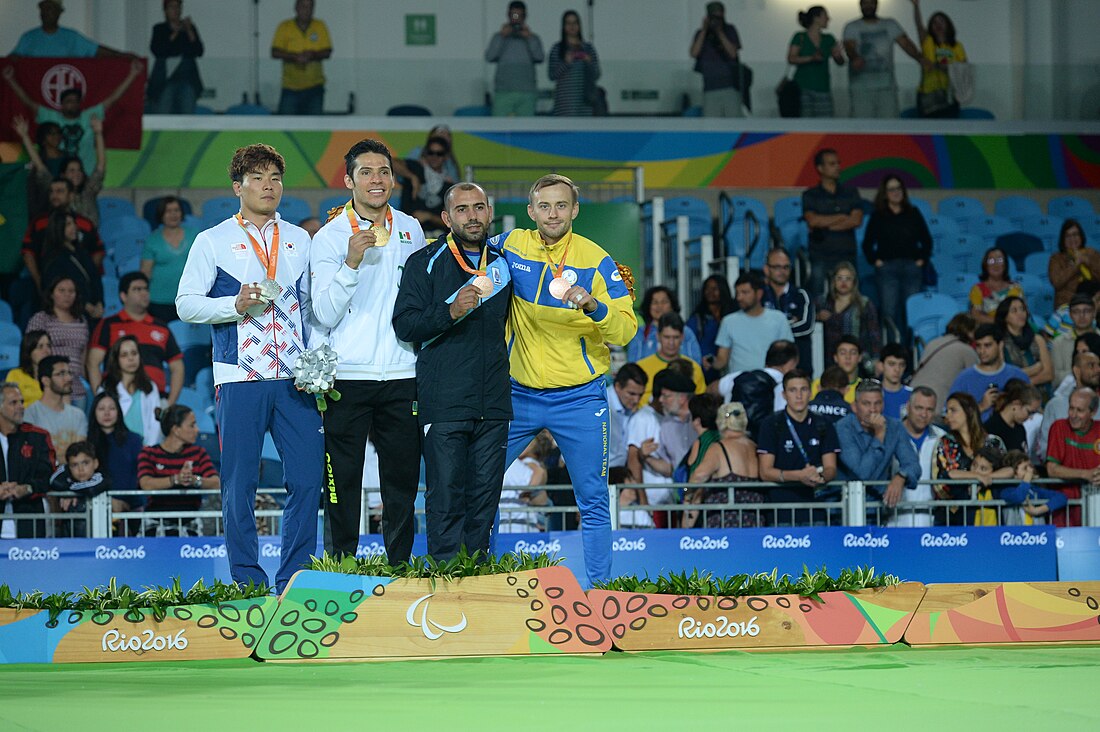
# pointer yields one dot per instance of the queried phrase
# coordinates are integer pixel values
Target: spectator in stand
(846, 312)
(117, 447)
(47, 144)
(574, 68)
(63, 319)
(869, 42)
(656, 302)
(28, 461)
(174, 83)
(623, 398)
(792, 301)
(1082, 313)
(137, 396)
(953, 458)
(874, 447)
(85, 188)
(1059, 323)
(78, 474)
(782, 356)
(34, 347)
(428, 182)
(924, 437)
(810, 51)
(64, 257)
(939, 49)
(745, 336)
(451, 168)
(52, 41)
(310, 225)
(833, 211)
(53, 412)
(829, 403)
(1071, 451)
(846, 357)
(525, 471)
(302, 43)
(177, 463)
(984, 380)
(704, 420)
(156, 343)
(993, 286)
(1023, 346)
(897, 242)
(77, 133)
(164, 256)
(895, 395)
(1086, 373)
(1034, 500)
(670, 335)
(716, 303)
(61, 196)
(1014, 406)
(715, 48)
(730, 459)
(946, 357)
(515, 50)
(797, 450)
(1073, 263)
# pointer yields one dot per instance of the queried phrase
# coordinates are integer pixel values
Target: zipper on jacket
(584, 355)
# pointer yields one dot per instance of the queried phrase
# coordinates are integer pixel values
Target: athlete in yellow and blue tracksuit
(558, 357)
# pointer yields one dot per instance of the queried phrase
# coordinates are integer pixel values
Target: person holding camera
(515, 50)
(715, 48)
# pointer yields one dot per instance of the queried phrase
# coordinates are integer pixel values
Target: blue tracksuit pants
(578, 419)
(245, 412)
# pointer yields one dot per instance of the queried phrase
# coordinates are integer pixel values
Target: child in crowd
(1025, 493)
(80, 475)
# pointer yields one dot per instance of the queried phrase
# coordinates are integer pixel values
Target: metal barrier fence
(850, 505)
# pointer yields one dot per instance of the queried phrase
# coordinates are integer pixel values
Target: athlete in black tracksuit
(463, 388)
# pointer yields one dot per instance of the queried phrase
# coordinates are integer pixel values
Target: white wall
(643, 44)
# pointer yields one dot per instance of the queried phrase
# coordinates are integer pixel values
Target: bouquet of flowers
(315, 373)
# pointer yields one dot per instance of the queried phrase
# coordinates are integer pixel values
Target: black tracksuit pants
(384, 409)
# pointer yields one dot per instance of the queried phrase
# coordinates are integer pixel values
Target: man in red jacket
(28, 461)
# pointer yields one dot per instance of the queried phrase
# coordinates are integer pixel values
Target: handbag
(789, 95)
(961, 76)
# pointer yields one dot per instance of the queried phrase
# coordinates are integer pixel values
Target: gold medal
(381, 235)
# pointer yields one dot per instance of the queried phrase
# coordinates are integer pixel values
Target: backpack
(756, 391)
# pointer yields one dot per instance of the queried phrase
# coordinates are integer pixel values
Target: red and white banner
(43, 79)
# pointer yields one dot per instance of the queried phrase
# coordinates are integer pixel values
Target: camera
(517, 27)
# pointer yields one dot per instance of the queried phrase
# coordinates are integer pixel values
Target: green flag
(13, 214)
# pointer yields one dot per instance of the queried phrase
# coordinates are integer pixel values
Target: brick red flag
(45, 78)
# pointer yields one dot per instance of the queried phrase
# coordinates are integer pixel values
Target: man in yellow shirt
(302, 43)
(569, 301)
(670, 338)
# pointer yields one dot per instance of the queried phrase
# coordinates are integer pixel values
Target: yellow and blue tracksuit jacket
(551, 345)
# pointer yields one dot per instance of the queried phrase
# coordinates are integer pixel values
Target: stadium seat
(111, 302)
(975, 113)
(6, 315)
(787, 209)
(989, 228)
(962, 208)
(123, 227)
(149, 210)
(1070, 207)
(408, 110)
(1038, 293)
(957, 285)
(732, 214)
(958, 253)
(1036, 263)
(204, 420)
(248, 109)
(190, 335)
(942, 227)
(927, 314)
(112, 207)
(10, 334)
(9, 357)
(1017, 245)
(1047, 228)
(921, 205)
(217, 210)
(695, 111)
(193, 398)
(203, 109)
(474, 110)
(795, 236)
(294, 209)
(331, 202)
(910, 113)
(1017, 208)
(204, 383)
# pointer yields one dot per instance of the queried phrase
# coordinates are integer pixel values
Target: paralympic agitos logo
(431, 629)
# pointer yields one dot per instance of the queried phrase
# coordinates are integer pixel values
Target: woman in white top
(138, 397)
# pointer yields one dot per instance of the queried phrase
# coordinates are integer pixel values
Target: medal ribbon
(270, 263)
(353, 219)
(462, 262)
(559, 268)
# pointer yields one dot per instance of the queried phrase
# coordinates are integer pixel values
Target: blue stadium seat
(989, 228)
(193, 398)
(957, 285)
(331, 202)
(975, 113)
(942, 227)
(1091, 225)
(1036, 263)
(149, 210)
(294, 209)
(923, 206)
(1017, 208)
(1047, 228)
(10, 333)
(203, 109)
(927, 314)
(204, 383)
(795, 236)
(9, 357)
(695, 111)
(910, 113)
(787, 209)
(1038, 293)
(1017, 245)
(958, 253)
(112, 206)
(962, 208)
(474, 110)
(190, 335)
(6, 315)
(218, 209)
(408, 110)
(111, 302)
(1070, 207)
(123, 227)
(733, 211)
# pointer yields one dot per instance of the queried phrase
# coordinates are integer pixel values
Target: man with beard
(356, 262)
(453, 305)
(923, 436)
(1086, 372)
